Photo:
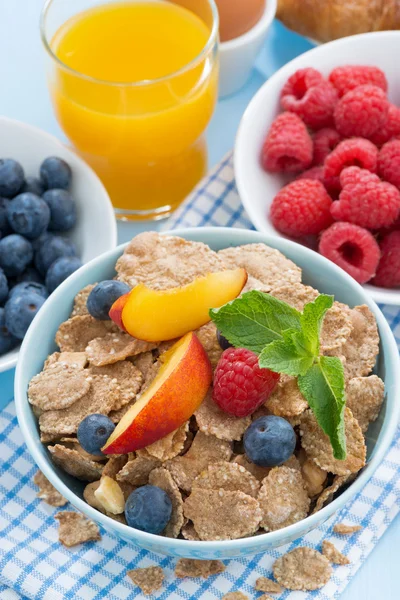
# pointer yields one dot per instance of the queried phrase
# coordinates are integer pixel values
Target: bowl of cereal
(213, 490)
(315, 99)
(48, 196)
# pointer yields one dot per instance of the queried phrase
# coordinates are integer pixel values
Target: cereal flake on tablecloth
(343, 529)
(334, 556)
(235, 596)
(47, 492)
(76, 529)
(302, 569)
(191, 567)
(148, 579)
(264, 584)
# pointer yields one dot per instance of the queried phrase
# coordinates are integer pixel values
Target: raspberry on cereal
(366, 200)
(388, 271)
(357, 151)
(288, 145)
(352, 248)
(348, 77)
(316, 173)
(361, 112)
(389, 162)
(311, 97)
(301, 208)
(390, 129)
(325, 140)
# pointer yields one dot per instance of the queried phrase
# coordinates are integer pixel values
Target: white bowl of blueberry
(48, 200)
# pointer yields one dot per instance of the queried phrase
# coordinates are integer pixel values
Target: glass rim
(212, 40)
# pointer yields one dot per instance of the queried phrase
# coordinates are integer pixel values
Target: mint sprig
(288, 341)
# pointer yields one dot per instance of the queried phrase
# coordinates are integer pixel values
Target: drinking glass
(145, 138)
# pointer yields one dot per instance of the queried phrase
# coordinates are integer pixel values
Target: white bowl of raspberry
(326, 173)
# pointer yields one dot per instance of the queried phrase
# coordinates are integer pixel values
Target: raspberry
(351, 76)
(390, 129)
(311, 97)
(366, 200)
(316, 173)
(240, 386)
(357, 152)
(288, 145)
(389, 162)
(388, 271)
(301, 208)
(352, 248)
(325, 140)
(361, 112)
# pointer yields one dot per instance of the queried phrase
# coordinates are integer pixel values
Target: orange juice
(134, 93)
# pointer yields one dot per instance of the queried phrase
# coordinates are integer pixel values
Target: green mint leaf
(289, 355)
(255, 320)
(323, 388)
(312, 319)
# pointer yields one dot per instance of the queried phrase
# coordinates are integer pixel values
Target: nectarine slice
(154, 315)
(174, 395)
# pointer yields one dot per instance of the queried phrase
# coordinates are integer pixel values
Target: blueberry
(7, 341)
(3, 287)
(60, 270)
(30, 274)
(16, 254)
(5, 228)
(50, 249)
(55, 173)
(269, 441)
(149, 509)
(11, 177)
(62, 210)
(223, 342)
(19, 312)
(103, 296)
(93, 432)
(29, 286)
(33, 185)
(28, 215)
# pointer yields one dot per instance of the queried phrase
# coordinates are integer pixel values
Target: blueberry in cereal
(93, 432)
(269, 441)
(103, 296)
(149, 509)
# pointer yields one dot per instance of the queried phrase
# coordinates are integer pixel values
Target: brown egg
(238, 16)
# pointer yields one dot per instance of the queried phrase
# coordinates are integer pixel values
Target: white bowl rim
(387, 434)
(252, 34)
(9, 359)
(379, 294)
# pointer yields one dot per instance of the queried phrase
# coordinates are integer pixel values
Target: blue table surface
(23, 96)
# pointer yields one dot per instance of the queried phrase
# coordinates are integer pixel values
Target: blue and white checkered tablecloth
(34, 565)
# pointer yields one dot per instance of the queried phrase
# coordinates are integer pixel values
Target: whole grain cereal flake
(207, 335)
(189, 567)
(162, 478)
(318, 447)
(114, 465)
(258, 472)
(235, 596)
(137, 470)
(162, 262)
(364, 397)
(80, 300)
(222, 515)
(302, 569)
(283, 499)
(128, 378)
(102, 396)
(334, 556)
(267, 265)
(314, 477)
(78, 360)
(147, 365)
(58, 387)
(329, 492)
(75, 464)
(75, 334)
(229, 476)
(214, 421)
(148, 579)
(75, 529)
(264, 584)
(286, 400)
(167, 447)
(47, 492)
(188, 532)
(114, 347)
(343, 529)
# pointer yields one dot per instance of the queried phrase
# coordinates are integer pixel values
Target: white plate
(96, 230)
(258, 188)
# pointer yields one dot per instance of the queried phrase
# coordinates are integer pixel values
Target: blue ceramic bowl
(318, 272)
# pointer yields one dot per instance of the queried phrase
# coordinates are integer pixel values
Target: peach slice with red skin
(154, 315)
(174, 395)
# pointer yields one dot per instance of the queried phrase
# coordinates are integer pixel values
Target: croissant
(325, 20)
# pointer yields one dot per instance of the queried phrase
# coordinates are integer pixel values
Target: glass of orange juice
(134, 85)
